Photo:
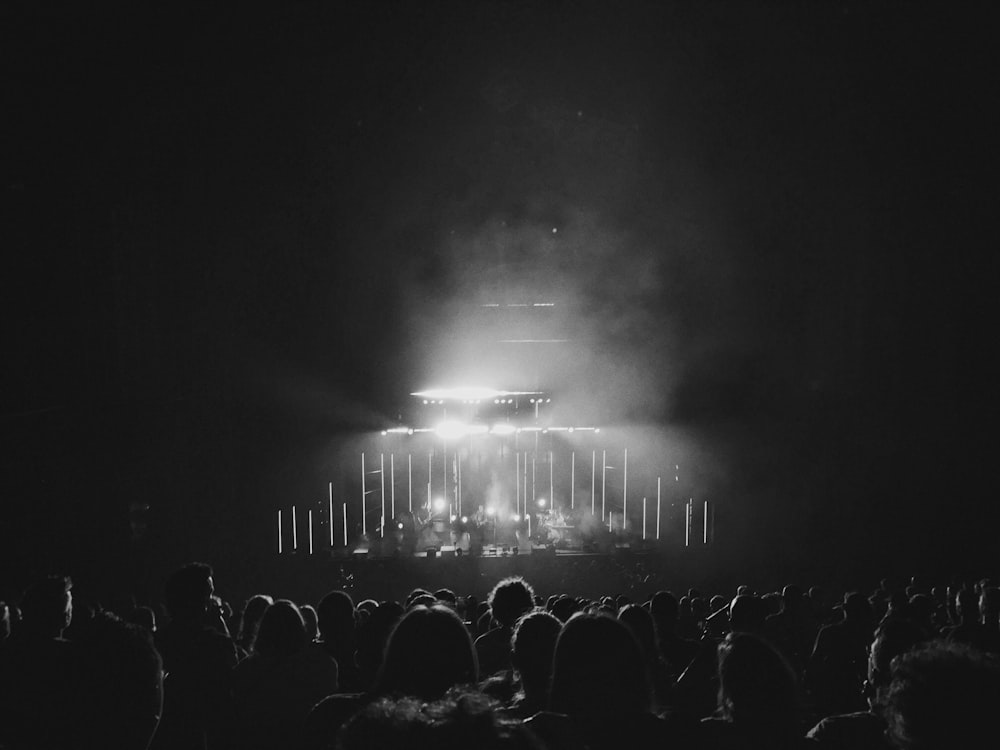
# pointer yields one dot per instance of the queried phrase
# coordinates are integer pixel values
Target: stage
(636, 571)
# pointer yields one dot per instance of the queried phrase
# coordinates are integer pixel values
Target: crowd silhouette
(915, 667)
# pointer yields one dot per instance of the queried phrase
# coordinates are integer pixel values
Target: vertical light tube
(705, 537)
(517, 482)
(330, 514)
(392, 486)
(593, 482)
(458, 488)
(643, 519)
(280, 545)
(364, 514)
(381, 478)
(552, 491)
(310, 531)
(345, 524)
(430, 487)
(687, 523)
(572, 481)
(409, 482)
(657, 509)
(625, 494)
(525, 473)
(534, 492)
(295, 531)
(604, 480)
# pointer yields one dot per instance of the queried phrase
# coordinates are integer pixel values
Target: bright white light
(451, 430)
(453, 517)
(491, 511)
(503, 428)
(384, 432)
(462, 393)
(400, 525)
(541, 502)
(440, 504)
(516, 517)
(465, 519)
(477, 429)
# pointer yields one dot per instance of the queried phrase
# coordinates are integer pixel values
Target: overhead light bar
(452, 429)
(467, 393)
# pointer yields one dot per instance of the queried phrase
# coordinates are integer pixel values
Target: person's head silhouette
(509, 599)
(428, 652)
(282, 631)
(758, 692)
(598, 669)
(47, 607)
(943, 695)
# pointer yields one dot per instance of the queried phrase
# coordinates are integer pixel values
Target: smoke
(569, 284)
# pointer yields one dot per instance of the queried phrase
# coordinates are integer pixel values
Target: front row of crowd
(912, 668)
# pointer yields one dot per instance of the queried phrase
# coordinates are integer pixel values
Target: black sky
(234, 235)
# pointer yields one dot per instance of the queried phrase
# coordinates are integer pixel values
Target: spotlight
(503, 429)
(548, 400)
(384, 432)
(491, 511)
(425, 402)
(541, 502)
(465, 519)
(409, 431)
(453, 518)
(531, 400)
(440, 504)
(496, 401)
(516, 517)
(400, 525)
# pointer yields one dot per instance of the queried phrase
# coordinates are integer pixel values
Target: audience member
(278, 684)
(118, 686)
(337, 621)
(676, 651)
(509, 599)
(839, 661)
(943, 696)
(759, 702)
(428, 652)
(533, 646)
(600, 695)
(197, 659)
(866, 730)
(35, 669)
(249, 620)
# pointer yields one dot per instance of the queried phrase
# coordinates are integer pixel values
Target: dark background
(232, 237)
